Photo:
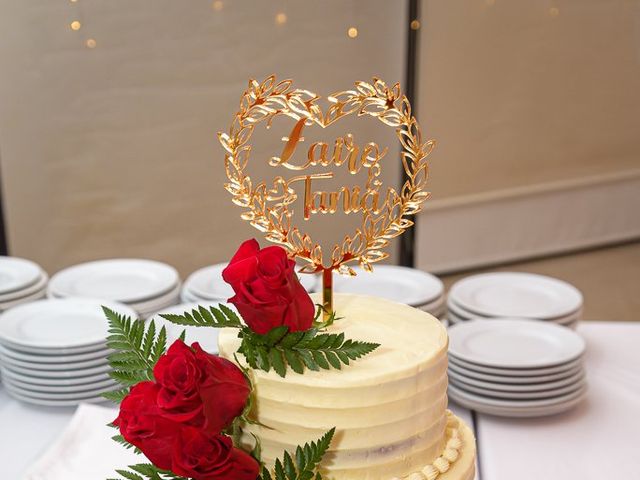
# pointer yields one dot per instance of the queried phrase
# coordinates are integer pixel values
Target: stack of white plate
(400, 284)
(207, 285)
(144, 285)
(516, 367)
(21, 281)
(54, 353)
(207, 337)
(511, 294)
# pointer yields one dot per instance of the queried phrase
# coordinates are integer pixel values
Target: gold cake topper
(268, 206)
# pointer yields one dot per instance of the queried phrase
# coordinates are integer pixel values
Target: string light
(218, 5)
(554, 11)
(352, 32)
(281, 18)
(91, 43)
(75, 25)
(415, 24)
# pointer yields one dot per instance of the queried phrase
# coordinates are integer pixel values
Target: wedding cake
(389, 408)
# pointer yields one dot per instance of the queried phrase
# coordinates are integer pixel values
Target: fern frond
(302, 465)
(137, 347)
(222, 317)
(278, 350)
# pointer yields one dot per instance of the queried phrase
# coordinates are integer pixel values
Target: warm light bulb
(554, 11)
(352, 32)
(91, 43)
(75, 25)
(217, 5)
(415, 24)
(281, 18)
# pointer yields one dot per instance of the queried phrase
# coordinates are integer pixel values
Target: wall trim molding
(490, 228)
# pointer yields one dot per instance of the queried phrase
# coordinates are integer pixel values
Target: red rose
(199, 389)
(141, 424)
(268, 293)
(211, 457)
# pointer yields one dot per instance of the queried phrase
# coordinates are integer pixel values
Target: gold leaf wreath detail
(266, 208)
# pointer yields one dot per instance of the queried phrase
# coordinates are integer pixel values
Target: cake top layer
(410, 341)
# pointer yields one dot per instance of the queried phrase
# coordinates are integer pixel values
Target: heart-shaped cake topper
(268, 207)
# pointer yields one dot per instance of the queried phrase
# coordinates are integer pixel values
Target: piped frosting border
(451, 452)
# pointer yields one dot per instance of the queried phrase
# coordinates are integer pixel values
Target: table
(598, 440)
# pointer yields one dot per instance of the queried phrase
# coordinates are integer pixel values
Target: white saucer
(514, 343)
(515, 372)
(400, 284)
(39, 295)
(104, 384)
(48, 381)
(463, 314)
(123, 280)
(517, 408)
(84, 372)
(207, 284)
(96, 392)
(529, 379)
(45, 357)
(542, 394)
(512, 294)
(206, 336)
(43, 368)
(55, 403)
(38, 286)
(465, 381)
(17, 274)
(59, 323)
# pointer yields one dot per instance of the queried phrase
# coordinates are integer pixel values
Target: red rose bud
(268, 293)
(199, 389)
(200, 456)
(141, 424)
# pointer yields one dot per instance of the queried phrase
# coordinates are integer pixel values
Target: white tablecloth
(599, 440)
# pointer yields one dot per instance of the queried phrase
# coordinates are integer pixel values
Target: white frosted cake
(389, 407)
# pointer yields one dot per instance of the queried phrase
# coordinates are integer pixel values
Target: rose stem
(327, 293)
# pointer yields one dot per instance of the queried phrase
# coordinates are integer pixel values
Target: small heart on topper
(384, 216)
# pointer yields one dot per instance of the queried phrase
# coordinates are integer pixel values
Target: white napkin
(85, 450)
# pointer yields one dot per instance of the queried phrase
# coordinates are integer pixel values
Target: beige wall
(517, 93)
(535, 107)
(112, 151)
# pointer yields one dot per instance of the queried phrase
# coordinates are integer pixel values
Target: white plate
(123, 280)
(7, 351)
(83, 372)
(514, 343)
(543, 394)
(515, 372)
(438, 305)
(55, 403)
(517, 408)
(400, 284)
(465, 380)
(104, 384)
(59, 323)
(503, 379)
(42, 293)
(36, 287)
(463, 314)
(48, 381)
(206, 336)
(44, 368)
(17, 274)
(96, 392)
(511, 294)
(207, 284)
